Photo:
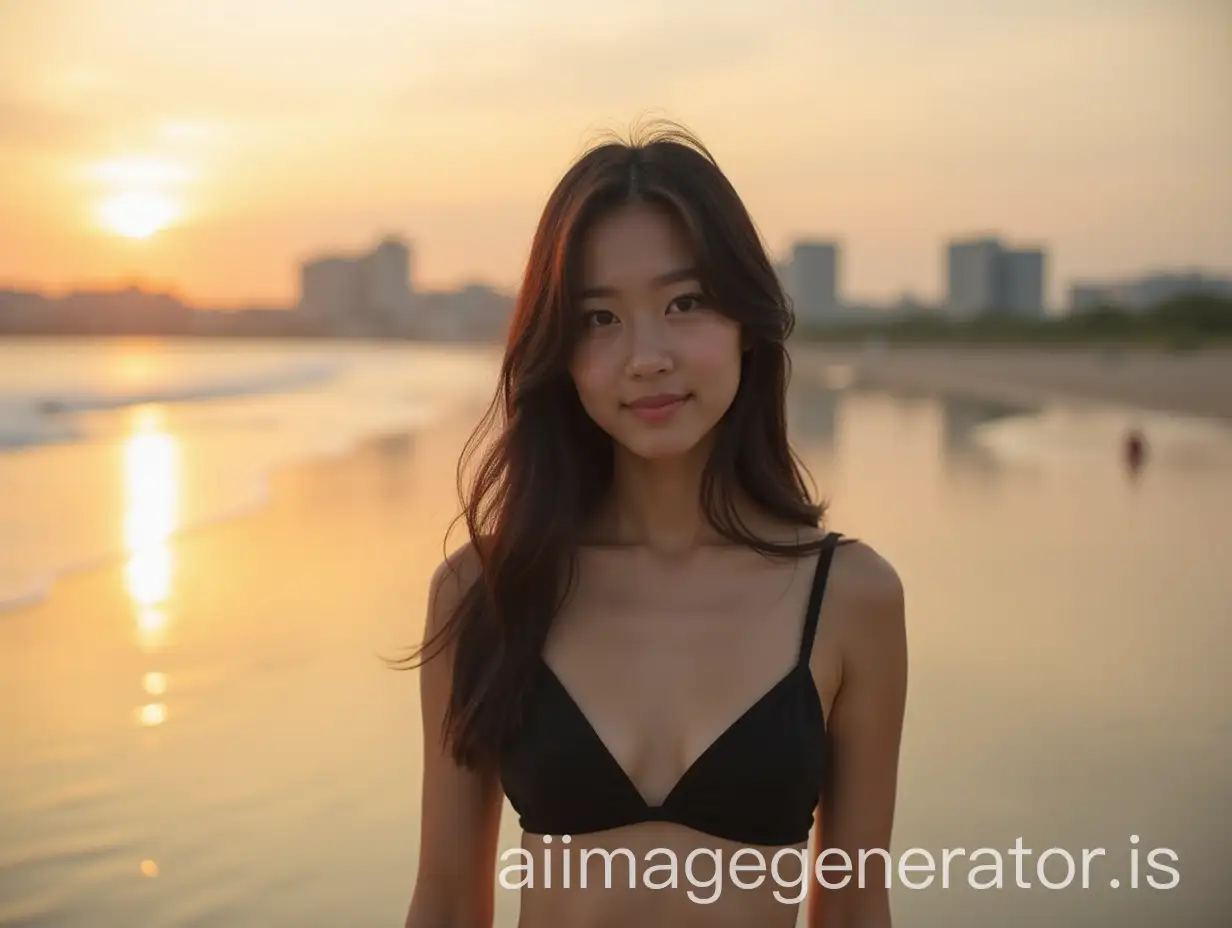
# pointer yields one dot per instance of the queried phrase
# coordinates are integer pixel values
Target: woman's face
(655, 367)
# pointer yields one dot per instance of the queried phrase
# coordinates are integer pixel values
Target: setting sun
(138, 215)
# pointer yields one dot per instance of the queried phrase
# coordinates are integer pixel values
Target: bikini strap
(824, 559)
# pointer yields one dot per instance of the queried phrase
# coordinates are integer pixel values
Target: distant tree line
(1184, 322)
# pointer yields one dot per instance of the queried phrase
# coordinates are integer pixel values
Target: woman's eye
(688, 302)
(599, 317)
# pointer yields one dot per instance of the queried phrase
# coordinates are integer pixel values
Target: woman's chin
(664, 445)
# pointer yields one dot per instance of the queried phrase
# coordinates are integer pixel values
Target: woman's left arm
(865, 730)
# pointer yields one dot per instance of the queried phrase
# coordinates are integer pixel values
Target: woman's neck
(656, 505)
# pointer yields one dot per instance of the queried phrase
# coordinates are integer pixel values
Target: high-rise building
(983, 276)
(814, 280)
(385, 274)
(972, 275)
(368, 292)
(330, 290)
(1022, 282)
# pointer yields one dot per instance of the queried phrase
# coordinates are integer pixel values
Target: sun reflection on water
(151, 516)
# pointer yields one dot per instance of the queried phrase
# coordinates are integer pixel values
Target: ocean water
(204, 544)
(81, 421)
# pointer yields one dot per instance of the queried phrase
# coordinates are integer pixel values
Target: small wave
(22, 426)
(28, 592)
(276, 381)
(45, 417)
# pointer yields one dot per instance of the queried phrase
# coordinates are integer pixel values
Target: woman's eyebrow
(663, 280)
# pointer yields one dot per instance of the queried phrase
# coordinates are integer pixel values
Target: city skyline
(983, 272)
(235, 139)
(1057, 293)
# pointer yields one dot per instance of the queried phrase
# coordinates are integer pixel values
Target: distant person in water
(1135, 450)
(650, 643)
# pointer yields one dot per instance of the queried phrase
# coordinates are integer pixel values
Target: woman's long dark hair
(549, 466)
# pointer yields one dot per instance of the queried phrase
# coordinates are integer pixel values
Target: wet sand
(1197, 383)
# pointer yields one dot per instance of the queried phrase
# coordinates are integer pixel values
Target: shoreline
(1192, 384)
(1195, 384)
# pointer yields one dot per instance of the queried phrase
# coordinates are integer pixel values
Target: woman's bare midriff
(711, 898)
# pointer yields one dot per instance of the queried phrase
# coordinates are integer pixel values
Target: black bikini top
(758, 783)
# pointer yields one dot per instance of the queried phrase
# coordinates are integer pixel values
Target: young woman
(649, 644)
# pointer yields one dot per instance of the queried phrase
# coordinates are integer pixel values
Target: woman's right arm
(460, 808)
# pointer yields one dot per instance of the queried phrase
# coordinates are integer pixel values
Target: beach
(1195, 383)
(199, 729)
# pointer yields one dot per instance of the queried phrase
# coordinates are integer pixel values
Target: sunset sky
(209, 146)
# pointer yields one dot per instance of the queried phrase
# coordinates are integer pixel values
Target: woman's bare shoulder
(461, 566)
(866, 593)
(451, 580)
